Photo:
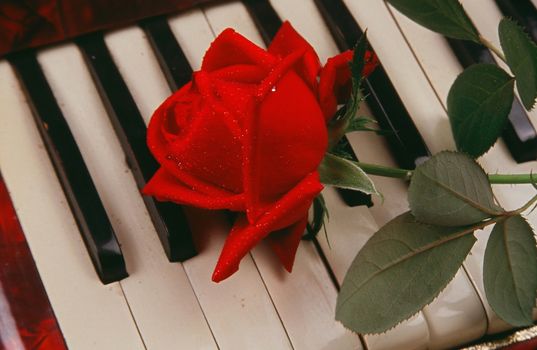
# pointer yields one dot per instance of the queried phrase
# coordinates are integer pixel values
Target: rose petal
(285, 242)
(240, 73)
(167, 187)
(283, 67)
(244, 236)
(371, 62)
(335, 80)
(212, 92)
(206, 153)
(237, 101)
(287, 41)
(287, 141)
(230, 48)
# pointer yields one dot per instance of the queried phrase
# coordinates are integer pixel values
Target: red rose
(247, 134)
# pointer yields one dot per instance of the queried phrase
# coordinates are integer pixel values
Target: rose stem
(498, 179)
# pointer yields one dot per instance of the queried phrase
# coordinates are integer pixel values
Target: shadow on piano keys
(165, 306)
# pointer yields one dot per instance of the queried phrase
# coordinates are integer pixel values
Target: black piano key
(168, 218)
(519, 135)
(71, 170)
(170, 56)
(404, 140)
(522, 11)
(268, 23)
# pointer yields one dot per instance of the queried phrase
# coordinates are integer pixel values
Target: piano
(163, 305)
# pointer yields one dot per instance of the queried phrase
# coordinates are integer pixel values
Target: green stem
(492, 48)
(510, 179)
(405, 174)
(373, 169)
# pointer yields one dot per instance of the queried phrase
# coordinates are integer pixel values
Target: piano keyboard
(163, 305)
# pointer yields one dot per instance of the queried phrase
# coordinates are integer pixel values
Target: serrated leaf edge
(502, 211)
(504, 235)
(532, 42)
(409, 317)
(470, 230)
(472, 115)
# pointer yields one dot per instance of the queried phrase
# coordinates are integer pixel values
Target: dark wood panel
(31, 23)
(22, 295)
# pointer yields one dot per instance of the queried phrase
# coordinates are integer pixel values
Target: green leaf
(510, 271)
(446, 17)
(342, 173)
(521, 55)
(451, 189)
(400, 269)
(479, 103)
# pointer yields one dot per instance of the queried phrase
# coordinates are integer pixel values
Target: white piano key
(422, 104)
(239, 309)
(193, 34)
(159, 293)
(90, 314)
(139, 68)
(349, 228)
(309, 325)
(232, 15)
(311, 27)
(305, 299)
(441, 66)
(401, 67)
